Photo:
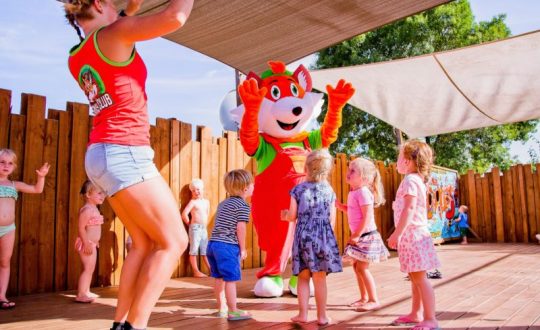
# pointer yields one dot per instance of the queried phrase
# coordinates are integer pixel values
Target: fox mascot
(277, 108)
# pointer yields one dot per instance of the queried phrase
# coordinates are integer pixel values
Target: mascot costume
(277, 107)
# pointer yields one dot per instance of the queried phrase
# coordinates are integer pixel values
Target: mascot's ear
(253, 75)
(301, 74)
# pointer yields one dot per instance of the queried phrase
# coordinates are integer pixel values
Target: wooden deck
(484, 286)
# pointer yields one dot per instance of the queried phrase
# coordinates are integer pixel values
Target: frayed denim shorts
(113, 167)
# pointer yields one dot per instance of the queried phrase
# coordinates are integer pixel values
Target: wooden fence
(44, 259)
(504, 206)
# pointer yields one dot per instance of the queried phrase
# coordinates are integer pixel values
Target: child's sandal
(238, 315)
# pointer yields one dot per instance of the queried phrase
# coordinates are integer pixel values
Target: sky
(35, 40)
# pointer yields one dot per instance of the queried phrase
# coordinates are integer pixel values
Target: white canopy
(477, 86)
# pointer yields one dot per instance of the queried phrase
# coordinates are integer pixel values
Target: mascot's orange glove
(252, 98)
(337, 98)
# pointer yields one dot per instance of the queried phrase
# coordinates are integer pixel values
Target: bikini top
(95, 220)
(9, 191)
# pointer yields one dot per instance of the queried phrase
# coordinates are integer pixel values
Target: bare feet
(324, 321)
(358, 303)
(84, 299)
(368, 306)
(200, 274)
(92, 295)
(299, 319)
(427, 325)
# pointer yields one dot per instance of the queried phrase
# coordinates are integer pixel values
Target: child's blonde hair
(318, 165)
(196, 183)
(422, 154)
(78, 10)
(236, 181)
(367, 171)
(9, 153)
(464, 208)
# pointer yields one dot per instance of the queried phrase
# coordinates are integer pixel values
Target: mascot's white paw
(269, 286)
(293, 286)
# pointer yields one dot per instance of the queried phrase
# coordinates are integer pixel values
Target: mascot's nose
(297, 111)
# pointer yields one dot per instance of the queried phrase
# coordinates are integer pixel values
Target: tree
(442, 28)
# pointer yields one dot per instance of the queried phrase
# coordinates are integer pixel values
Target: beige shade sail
(477, 86)
(245, 34)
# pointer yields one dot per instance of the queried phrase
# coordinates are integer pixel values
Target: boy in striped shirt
(228, 243)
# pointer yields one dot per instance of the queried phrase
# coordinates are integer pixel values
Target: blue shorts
(198, 239)
(224, 259)
(113, 167)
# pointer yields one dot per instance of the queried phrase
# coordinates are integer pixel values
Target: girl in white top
(412, 238)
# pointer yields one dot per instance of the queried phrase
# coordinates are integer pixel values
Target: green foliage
(442, 28)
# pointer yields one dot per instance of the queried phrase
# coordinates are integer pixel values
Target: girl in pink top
(411, 237)
(365, 245)
(90, 221)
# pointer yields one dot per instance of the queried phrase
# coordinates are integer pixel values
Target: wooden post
(497, 201)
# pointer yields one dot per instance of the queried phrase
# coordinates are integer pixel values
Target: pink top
(412, 185)
(356, 199)
(95, 220)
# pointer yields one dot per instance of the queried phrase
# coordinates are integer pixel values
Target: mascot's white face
(289, 105)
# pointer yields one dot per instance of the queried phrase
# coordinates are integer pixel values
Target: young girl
(315, 251)
(365, 245)
(8, 196)
(411, 237)
(90, 221)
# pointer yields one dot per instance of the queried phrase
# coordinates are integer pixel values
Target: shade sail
(245, 34)
(472, 87)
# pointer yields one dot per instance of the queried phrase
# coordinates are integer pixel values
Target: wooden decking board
(484, 286)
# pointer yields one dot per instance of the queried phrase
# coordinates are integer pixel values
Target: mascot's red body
(277, 107)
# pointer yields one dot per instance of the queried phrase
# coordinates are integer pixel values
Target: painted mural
(443, 204)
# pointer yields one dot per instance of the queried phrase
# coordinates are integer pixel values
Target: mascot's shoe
(269, 286)
(293, 284)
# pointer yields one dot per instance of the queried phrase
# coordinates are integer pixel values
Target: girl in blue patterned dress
(315, 251)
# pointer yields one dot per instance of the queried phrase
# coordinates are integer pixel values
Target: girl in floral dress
(315, 251)
(412, 237)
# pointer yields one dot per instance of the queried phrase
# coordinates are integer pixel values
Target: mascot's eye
(275, 92)
(294, 90)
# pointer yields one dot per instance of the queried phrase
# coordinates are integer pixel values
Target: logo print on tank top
(94, 88)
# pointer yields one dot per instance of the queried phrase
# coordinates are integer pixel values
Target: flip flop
(6, 304)
(238, 315)
(404, 320)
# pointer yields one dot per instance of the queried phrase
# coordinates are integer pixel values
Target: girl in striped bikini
(365, 245)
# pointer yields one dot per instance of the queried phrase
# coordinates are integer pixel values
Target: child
(199, 209)
(8, 196)
(228, 243)
(90, 221)
(315, 251)
(463, 223)
(365, 244)
(411, 236)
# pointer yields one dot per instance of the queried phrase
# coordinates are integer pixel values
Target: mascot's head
(289, 105)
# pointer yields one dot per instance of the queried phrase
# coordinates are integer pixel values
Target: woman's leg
(85, 279)
(151, 207)
(427, 297)
(6, 251)
(319, 282)
(367, 278)
(303, 296)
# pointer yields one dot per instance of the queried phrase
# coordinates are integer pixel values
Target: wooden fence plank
(498, 204)
(480, 227)
(205, 137)
(185, 178)
(532, 208)
(508, 206)
(537, 194)
(486, 205)
(34, 107)
(5, 109)
(518, 215)
(473, 206)
(17, 141)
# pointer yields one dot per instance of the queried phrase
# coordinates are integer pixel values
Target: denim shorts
(113, 167)
(198, 239)
(224, 260)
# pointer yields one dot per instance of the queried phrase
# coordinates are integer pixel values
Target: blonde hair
(465, 208)
(318, 165)
(76, 10)
(367, 171)
(236, 181)
(196, 183)
(9, 153)
(422, 154)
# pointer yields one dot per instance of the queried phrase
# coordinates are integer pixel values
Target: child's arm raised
(241, 234)
(186, 211)
(404, 219)
(290, 214)
(38, 187)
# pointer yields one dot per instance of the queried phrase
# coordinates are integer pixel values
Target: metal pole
(237, 81)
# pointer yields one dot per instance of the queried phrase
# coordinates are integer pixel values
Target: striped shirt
(229, 213)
